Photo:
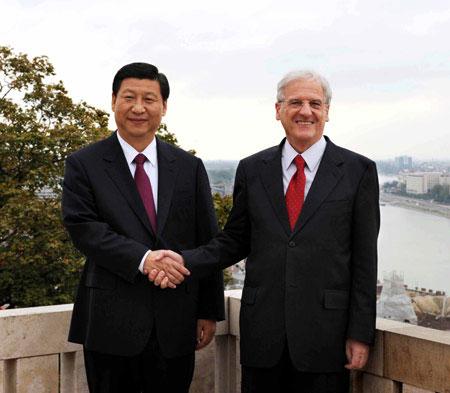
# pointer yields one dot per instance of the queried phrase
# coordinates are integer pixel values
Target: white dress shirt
(150, 168)
(312, 157)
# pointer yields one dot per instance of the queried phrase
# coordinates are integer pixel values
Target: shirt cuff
(141, 265)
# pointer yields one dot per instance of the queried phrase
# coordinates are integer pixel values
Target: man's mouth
(303, 122)
(137, 120)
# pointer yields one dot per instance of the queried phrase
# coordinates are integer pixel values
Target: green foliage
(441, 193)
(39, 126)
(395, 187)
(222, 205)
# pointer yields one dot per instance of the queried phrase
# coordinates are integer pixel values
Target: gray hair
(302, 75)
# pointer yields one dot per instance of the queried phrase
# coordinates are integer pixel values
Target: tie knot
(140, 159)
(299, 162)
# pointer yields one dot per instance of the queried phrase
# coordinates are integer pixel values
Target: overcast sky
(388, 63)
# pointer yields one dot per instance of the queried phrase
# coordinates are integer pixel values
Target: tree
(39, 126)
(223, 205)
(440, 193)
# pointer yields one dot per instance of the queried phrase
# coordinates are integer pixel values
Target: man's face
(302, 113)
(138, 109)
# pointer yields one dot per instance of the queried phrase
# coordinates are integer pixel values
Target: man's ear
(277, 110)
(327, 118)
(164, 108)
(113, 101)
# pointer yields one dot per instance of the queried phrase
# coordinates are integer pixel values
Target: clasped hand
(165, 268)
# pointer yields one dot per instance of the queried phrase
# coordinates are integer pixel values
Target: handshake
(165, 268)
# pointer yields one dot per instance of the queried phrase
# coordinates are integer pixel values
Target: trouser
(148, 372)
(285, 378)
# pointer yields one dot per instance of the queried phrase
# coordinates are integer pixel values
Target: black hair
(141, 71)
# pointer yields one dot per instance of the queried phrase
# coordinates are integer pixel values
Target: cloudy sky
(388, 63)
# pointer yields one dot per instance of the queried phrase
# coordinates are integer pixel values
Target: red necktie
(295, 193)
(145, 189)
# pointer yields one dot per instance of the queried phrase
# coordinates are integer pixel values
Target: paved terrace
(35, 356)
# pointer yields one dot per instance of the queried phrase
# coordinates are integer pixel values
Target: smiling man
(124, 198)
(306, 216)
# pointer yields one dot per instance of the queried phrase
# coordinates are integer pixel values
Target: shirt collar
(312, 155)
(130, 152)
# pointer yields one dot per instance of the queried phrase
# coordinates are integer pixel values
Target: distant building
(403, 163)
(421, 182)
(402, 177)
(394, 303)
(218, 188)
(444, 180)
(237, 276)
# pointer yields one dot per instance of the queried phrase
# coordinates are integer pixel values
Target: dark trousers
(284, 378)
(148, 372)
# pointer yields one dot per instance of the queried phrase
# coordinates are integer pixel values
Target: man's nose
(305, 109)
(138, 107)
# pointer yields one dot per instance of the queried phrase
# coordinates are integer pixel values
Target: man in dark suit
(306, 216)
(124, 198)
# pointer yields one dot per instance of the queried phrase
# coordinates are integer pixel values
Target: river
(416, 244)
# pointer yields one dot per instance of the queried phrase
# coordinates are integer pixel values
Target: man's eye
(316, 104)
(150, 100)
(295, 103)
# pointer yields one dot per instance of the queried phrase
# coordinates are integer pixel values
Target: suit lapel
(271, 175)
(119, 172)
(327, 176)
(167, 174)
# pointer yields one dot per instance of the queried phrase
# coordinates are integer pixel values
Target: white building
(394, 303)
(444, 180)
(421, 182)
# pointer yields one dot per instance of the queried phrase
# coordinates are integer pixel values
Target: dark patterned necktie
(145, 189)
(295, 193)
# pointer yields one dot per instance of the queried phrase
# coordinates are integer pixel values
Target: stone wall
(35, 356)
(405, 358)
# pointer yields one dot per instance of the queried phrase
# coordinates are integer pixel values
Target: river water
(416, 244)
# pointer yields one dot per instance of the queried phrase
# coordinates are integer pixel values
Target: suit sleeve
(211, 296)
(233, 243)
(366, 224)
(90, 233)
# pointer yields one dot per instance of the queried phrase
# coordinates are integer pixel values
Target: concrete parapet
(412, 389)
(375, 364)
(38, 374)
(35, 331)
(36, 357)
(2, 376)
(204, 375)
(374, 384)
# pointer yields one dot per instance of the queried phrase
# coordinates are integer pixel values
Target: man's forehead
(146, 86)
(304, 87)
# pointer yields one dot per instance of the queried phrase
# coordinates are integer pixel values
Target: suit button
(292, 244)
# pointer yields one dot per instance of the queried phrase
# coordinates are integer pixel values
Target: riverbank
(415, 204)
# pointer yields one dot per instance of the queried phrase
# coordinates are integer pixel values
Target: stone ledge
(17, 312)
(416, 356)
(35, 331)
(416, 361)
(418, 332)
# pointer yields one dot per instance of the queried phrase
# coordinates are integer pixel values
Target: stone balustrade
(35, 356)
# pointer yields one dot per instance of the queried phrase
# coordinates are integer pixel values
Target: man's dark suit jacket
(314, 286)
(116, 306)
